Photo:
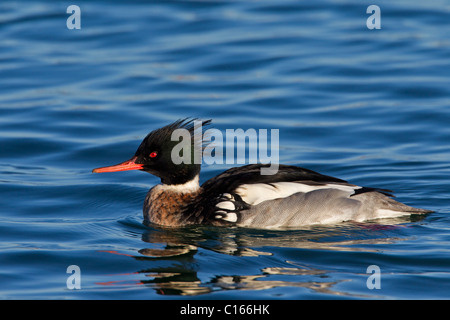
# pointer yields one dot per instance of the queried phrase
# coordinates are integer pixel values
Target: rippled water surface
(368, 106)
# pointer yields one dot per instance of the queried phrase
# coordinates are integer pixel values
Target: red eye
(153, 154)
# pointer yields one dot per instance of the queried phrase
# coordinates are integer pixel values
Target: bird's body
(292, 197)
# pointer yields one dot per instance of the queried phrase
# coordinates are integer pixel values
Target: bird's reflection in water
(180, 247)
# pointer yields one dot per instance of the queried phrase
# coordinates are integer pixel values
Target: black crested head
(172, 154)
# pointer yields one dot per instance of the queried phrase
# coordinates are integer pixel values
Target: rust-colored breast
(167, 208)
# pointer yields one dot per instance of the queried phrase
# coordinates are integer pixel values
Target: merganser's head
(156, 153)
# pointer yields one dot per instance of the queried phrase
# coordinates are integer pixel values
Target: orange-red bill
(124, 166)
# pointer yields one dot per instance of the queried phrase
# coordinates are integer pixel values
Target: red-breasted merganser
(241, 196)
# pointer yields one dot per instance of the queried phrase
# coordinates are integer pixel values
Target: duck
(292, 197)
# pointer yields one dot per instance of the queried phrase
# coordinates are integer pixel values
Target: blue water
(368, 106)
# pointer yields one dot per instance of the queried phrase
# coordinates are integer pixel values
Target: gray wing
(323, 206)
